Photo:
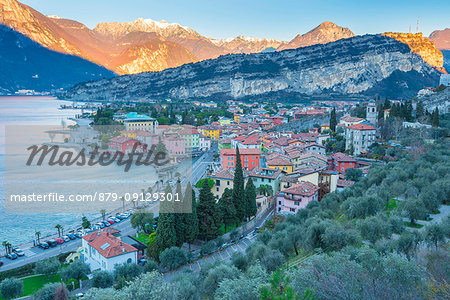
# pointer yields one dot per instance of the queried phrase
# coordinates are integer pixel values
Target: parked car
(100, 224)
(79, 234)
(59, 241)
(11, 256)
(43, 245)
(79, 295)
(52, 243)
(19, 252)
(106, 223)
(72, 236)
(110, 221)
(116, 220)
(66, 238)
(1, 263)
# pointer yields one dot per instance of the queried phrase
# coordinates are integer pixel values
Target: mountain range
(360, 65)
(145, 45)
(27, 65)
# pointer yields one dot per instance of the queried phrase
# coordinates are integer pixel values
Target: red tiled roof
(344, 183)
(279, 161)
(107, 244)
(241, 151)
(361, 127)
(351, 119)
(120, 139)
(264, 173)
(303, 188)
(342, 157)
(227, 174)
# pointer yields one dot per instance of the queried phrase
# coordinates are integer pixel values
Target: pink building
(174, 145)
(296, 197)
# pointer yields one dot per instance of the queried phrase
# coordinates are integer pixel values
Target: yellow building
(237, 119)
(279, 163)
(210, 131)
(324, 127)
(225, 121)
(223, 179)
(129, 133)
(135, 121)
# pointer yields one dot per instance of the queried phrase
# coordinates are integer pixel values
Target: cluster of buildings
(142, 132)
(288, 169)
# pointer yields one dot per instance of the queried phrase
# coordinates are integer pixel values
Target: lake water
(20, 228)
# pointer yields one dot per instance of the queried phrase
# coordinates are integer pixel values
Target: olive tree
(11, 288)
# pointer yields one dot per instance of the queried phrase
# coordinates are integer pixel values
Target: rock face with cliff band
(324, 33)
(353, 66)
(441, 38)
(420, 45)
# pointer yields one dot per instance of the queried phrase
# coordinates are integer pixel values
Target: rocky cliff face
(421, 46)
(346, 67)
(324, 33)
(243, 44)
(441, 38)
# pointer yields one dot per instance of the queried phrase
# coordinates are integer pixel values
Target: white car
(66, 238)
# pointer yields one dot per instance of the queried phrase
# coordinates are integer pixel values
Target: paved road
(35, 254)
(200, 167)
(222, 255)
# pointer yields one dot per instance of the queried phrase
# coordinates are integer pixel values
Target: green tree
(48, 291)
(387, 103)
(435, 118)
(11, 288)
(180, 222)
(76, 270)
(206, 212)
(191, 219)
(250, 199)
(435, 234)
(419, 110)
(48, 266)
(142, 221)
(102, 279)
(127, 271)
(85, 222)
(227, 209)
(279, 288)
(238, 189)
(414, 209)
(333, 120)
(173, 258)
(374, 228)
(166, 235)
(59, 228)
(353, 174)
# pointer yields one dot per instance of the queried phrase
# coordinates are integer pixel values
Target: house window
(297, 203)
(217, 189)
(342, 169)
(292, 209)
(228, 183)
(279, 202)
(129, 261)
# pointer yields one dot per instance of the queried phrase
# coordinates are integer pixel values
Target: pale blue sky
(280, 19)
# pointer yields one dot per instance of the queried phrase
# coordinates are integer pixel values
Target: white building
(204, 143)
(372, 113)
(360, 136)
(102, 250)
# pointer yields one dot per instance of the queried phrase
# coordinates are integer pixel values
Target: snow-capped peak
(54, 17)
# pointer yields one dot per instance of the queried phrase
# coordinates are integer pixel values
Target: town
(254, 165)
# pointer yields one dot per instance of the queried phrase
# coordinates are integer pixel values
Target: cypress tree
(333, 121)
(207, 214)
(238, 188)
(380, 112)
(179, 216)
(419, 109)
(227, 209)
(166, 236)
(435, 118)
(250, 197)
(387, 103)
(191, 220)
